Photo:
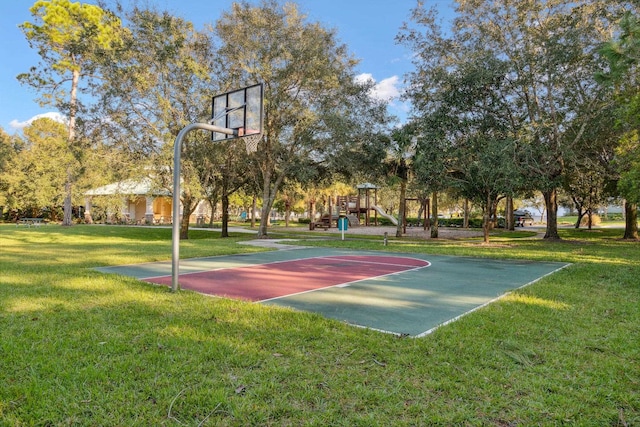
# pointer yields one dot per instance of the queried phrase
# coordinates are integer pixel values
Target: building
(142, 202)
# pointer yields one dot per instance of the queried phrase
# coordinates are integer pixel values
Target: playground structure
(354, 208)
(358, 210)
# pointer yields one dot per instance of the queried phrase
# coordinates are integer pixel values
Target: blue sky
(367, 27)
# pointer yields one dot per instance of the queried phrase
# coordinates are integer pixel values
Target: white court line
(335, 257)
(355, 261)
(346, 284)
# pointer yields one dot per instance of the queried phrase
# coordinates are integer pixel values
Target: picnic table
(28, 222)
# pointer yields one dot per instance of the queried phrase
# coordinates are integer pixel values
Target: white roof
(365, 185)
(129, 187)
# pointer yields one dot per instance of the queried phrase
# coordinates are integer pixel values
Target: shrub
(595, 220)
(459, 222)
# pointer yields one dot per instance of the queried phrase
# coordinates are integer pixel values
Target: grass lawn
(78, 347)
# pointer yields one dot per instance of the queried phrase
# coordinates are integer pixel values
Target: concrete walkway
(273, 244)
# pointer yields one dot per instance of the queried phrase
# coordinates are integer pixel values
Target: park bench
(28, 222)
(323, 223)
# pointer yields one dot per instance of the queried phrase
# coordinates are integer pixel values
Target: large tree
(623, 75)
(161, 82)
(7, 154)
(71, 39)
(35, 184)
(222, 171)
(547, 88)
(313, 106)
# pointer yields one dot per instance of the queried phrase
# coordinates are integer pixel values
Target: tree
(8, 153)
(623, 74)
(466, 140)
(629, 184)
(71, 38)
(36, 183)
(545, 48)
(161, 82)
(313, 107)
(399, 165)
(221, 169)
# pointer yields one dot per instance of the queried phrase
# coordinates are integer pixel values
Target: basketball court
(406, 294)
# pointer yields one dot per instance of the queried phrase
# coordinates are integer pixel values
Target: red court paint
(267, 281)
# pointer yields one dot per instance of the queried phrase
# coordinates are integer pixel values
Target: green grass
(78, 347)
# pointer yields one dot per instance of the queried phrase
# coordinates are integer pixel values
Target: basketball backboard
(241, 110)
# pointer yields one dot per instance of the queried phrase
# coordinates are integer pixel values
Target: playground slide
(385, 215)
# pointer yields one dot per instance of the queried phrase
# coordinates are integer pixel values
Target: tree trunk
(254, 204)
(188, 206)
(631, 221)
(268, 197)
(287, 213)
(551, 205)
(213, 203)
(434, 215)
(184, 222)
(264, 219)
(225, 215)
(68, 186)
(465, 222)
(312, 210)
(486, 220)
(579, 220)
(509, 220)
(269, 191)
(401, 214)
(68, 206)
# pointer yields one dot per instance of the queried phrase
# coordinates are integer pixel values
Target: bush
(459, 222)
(383, 221)
(595, 220)
(614, 217)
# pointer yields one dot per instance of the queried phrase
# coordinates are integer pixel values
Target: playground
(360, 210)
(403, 294)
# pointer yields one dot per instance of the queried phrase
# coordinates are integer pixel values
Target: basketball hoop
(251, 139)
(241, 110)
(235, 114)
(251, 142)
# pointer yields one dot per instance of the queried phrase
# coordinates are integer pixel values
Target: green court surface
(411, 302)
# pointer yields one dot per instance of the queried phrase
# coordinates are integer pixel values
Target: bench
(319, 224)
(28, 222)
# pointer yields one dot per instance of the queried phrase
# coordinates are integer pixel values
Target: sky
(367, 27)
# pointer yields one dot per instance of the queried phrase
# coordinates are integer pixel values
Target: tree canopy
(623, 75)
(523, 69)
(314, 109)
(505, 101)
(72, 39)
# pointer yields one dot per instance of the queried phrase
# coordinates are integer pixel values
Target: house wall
(162, 210)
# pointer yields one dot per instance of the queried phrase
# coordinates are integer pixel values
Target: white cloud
(388, 90)
(364, 77)
(15, 124)
(385, 90)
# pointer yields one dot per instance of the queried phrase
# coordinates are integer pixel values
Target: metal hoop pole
(175, 234)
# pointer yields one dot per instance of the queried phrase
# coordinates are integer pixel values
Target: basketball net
(251, 141)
